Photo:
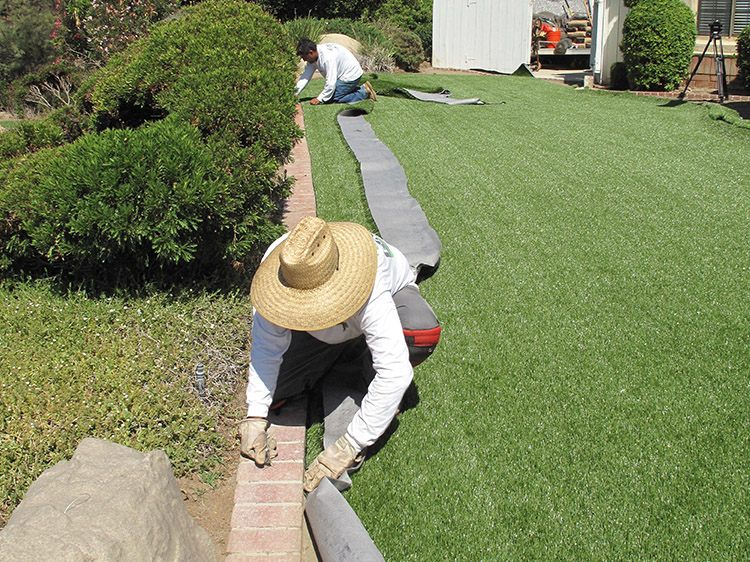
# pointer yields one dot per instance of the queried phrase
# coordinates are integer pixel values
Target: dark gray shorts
(308, 359)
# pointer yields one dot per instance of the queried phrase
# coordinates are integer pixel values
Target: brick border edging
(268, 522)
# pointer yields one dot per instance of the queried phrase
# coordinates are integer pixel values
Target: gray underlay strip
(338, 533)
(441, 97)
(398, 216)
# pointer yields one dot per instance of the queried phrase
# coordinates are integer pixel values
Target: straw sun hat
(318, 277)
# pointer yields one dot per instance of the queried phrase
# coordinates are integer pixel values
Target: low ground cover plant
(588, 399)
(76, 365)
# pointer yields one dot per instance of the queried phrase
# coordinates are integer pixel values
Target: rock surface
(108, 502)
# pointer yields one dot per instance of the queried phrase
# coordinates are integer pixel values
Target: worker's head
(307, 50)
(318, 277)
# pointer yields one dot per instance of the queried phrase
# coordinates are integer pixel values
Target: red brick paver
(268, 522)
(301, 202)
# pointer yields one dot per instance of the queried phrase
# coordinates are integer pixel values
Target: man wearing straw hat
(321, 292)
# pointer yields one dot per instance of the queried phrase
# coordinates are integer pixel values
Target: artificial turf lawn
(590, 396)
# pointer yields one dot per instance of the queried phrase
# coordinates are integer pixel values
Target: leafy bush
(150, 197)
(200, 188)
(658, 39)
(49, 87)
(25, 38)
(407, 49)
(305, 28)
(618, 76)
(29, 136)
(411, 15)
(743, 55)
(363, 32)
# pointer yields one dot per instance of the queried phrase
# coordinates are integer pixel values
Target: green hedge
(148, 197)
(658, 39)
(192, 125)
(743, 56)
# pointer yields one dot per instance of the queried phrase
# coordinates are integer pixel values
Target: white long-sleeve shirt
(335, 62)
(379, 322)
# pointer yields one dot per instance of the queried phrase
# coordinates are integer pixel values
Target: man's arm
(304, 78)
(269, 343)
(393, 372)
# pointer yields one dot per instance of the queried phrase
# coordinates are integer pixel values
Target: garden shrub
(30, 135)
(658, 39)
(150, 198)
(194, 122)
(618, 76)
(305, 28)
(56, 82)
(25, 38)
(743, 56)
(411, 15)
(407, 50)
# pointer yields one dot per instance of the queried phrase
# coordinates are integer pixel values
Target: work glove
(255, 442)
(332, 462)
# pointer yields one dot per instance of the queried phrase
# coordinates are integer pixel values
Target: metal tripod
(721, 71)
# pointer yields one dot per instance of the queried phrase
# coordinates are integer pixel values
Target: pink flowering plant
(108, 26)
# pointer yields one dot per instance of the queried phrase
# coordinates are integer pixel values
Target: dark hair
(304, 46)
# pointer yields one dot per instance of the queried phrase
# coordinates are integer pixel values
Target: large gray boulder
(108, 503)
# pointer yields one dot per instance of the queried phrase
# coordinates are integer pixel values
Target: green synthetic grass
(590, 396)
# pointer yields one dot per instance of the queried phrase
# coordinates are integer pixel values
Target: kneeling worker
(323, 290)
(340, 69)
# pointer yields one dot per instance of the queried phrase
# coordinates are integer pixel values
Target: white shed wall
(610, 15)
(481, 34)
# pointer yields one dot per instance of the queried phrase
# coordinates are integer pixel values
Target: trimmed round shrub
(743, 56)
(187, 130)
(150, 198)
(658, 39)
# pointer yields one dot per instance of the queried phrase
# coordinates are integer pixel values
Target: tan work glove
(332, 462)
(254, 441)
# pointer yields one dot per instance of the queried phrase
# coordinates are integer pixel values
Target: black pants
(308, 359)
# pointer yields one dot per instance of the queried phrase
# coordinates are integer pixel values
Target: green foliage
(618, 76)
(25, 38)
(630, 3)
(410, 15)
(111, 25)
(286, 10)
(77, 366)
(743, 55)
(305, 28)
(149, 198)
(199, 187)
(55, 85)
(407, 50)
(658, 39)
(29, 136)
(367, 34)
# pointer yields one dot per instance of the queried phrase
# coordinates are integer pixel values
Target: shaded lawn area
(590, 397)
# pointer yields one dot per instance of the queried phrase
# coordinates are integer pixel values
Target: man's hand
(314, 101)
(254, 441)
(332, 463)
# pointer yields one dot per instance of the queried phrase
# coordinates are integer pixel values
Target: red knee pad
(421, 343)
